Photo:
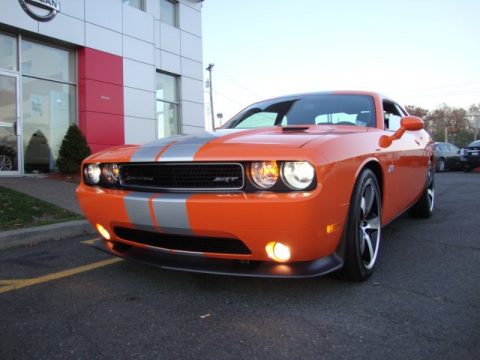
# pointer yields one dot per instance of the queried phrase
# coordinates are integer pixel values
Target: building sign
(41, 10)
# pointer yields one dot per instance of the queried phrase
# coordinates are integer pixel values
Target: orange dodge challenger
(295, 186)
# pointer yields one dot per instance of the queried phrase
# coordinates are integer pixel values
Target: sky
(418, 52)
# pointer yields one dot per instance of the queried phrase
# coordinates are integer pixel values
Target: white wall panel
(156, 33)
(193, 69)
(195, 4)
(138, 50)
(13, 14)
(106, 13)
(191, 90)
(192, 130)
(192, 114)
(102, 39)
(170, 38)
(190, 20)
(138, 75)
(65, 28)
(170, 62)
(74, 8)
(139, 103)
(137, 23)
(153, 8)
(191, 46)
(139, 131)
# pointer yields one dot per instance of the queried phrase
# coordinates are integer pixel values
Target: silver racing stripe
(138, 210)
(186, 150)
(182, 147)
(170, 211)
(149, 151)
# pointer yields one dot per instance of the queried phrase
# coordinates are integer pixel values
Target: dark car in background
(447, 157)
(470, 156)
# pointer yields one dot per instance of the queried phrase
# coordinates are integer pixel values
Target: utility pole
(209, 69)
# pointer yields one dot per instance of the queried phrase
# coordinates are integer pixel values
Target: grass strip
(18, 210)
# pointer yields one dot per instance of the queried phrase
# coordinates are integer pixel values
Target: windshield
(474, 143)
(332, 109)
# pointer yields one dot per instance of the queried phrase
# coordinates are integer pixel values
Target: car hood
(188, 147)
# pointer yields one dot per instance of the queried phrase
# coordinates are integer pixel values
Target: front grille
(183, 176)
(183, 242)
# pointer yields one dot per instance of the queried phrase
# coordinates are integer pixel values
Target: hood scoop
(297, 128)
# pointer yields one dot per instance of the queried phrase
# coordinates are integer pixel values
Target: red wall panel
(100, 66)
(100, 98)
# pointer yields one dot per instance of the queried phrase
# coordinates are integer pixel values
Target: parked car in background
(8, 152)
(470, 156)
(447, 157)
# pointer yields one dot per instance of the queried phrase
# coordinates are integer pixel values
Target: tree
(73, 150)
(446, 123)
(37, 153)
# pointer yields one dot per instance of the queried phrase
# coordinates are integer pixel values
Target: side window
(391, 116)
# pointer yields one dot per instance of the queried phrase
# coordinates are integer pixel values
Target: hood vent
(295, 128)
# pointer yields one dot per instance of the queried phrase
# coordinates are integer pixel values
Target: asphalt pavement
(67, 300)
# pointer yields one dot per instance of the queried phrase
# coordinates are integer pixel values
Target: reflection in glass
(8, 119)
(167, 105)
(168, 12)
(47, 62)
(48, 110)
(139, 4)
(8, 52)
(167, 119)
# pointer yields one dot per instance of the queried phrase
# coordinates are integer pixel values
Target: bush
(73, 150)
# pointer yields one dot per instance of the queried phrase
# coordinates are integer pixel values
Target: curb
(13, 238)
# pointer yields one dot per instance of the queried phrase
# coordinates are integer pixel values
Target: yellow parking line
(91, 241)
(15, 284)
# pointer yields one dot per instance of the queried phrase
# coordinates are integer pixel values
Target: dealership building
(124, 71)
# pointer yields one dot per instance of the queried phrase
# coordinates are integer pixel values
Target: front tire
(423, 208)
(362, 234)
(441, 165)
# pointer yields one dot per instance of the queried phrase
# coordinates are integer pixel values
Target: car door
(409, 153)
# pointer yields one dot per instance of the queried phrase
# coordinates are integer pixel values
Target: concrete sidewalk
(57, 192)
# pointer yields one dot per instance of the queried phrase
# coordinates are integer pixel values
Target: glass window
(391, 116)
(139, 4)
(168, 12)
(48, 109)
(167, 105)
(308, 110)
(8, 52)
(47, 62)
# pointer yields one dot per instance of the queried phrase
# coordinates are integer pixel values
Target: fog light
(103, 231)
(278, 251)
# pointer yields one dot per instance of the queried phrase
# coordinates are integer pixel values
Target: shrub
(73, 150)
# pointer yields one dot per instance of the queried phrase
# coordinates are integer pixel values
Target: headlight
(92, 174)
(264, 173)
(298, 174)
(110, 173)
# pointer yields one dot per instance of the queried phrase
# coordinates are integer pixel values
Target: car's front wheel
(6, 163)
(441, 165)
(362, 234)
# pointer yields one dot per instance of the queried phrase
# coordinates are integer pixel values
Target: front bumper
(201, 264)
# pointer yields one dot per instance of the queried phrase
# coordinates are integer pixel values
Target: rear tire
(363, 230)
(423, 208)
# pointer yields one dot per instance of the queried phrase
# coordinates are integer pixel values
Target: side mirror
(411, 123)
(407, 123)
